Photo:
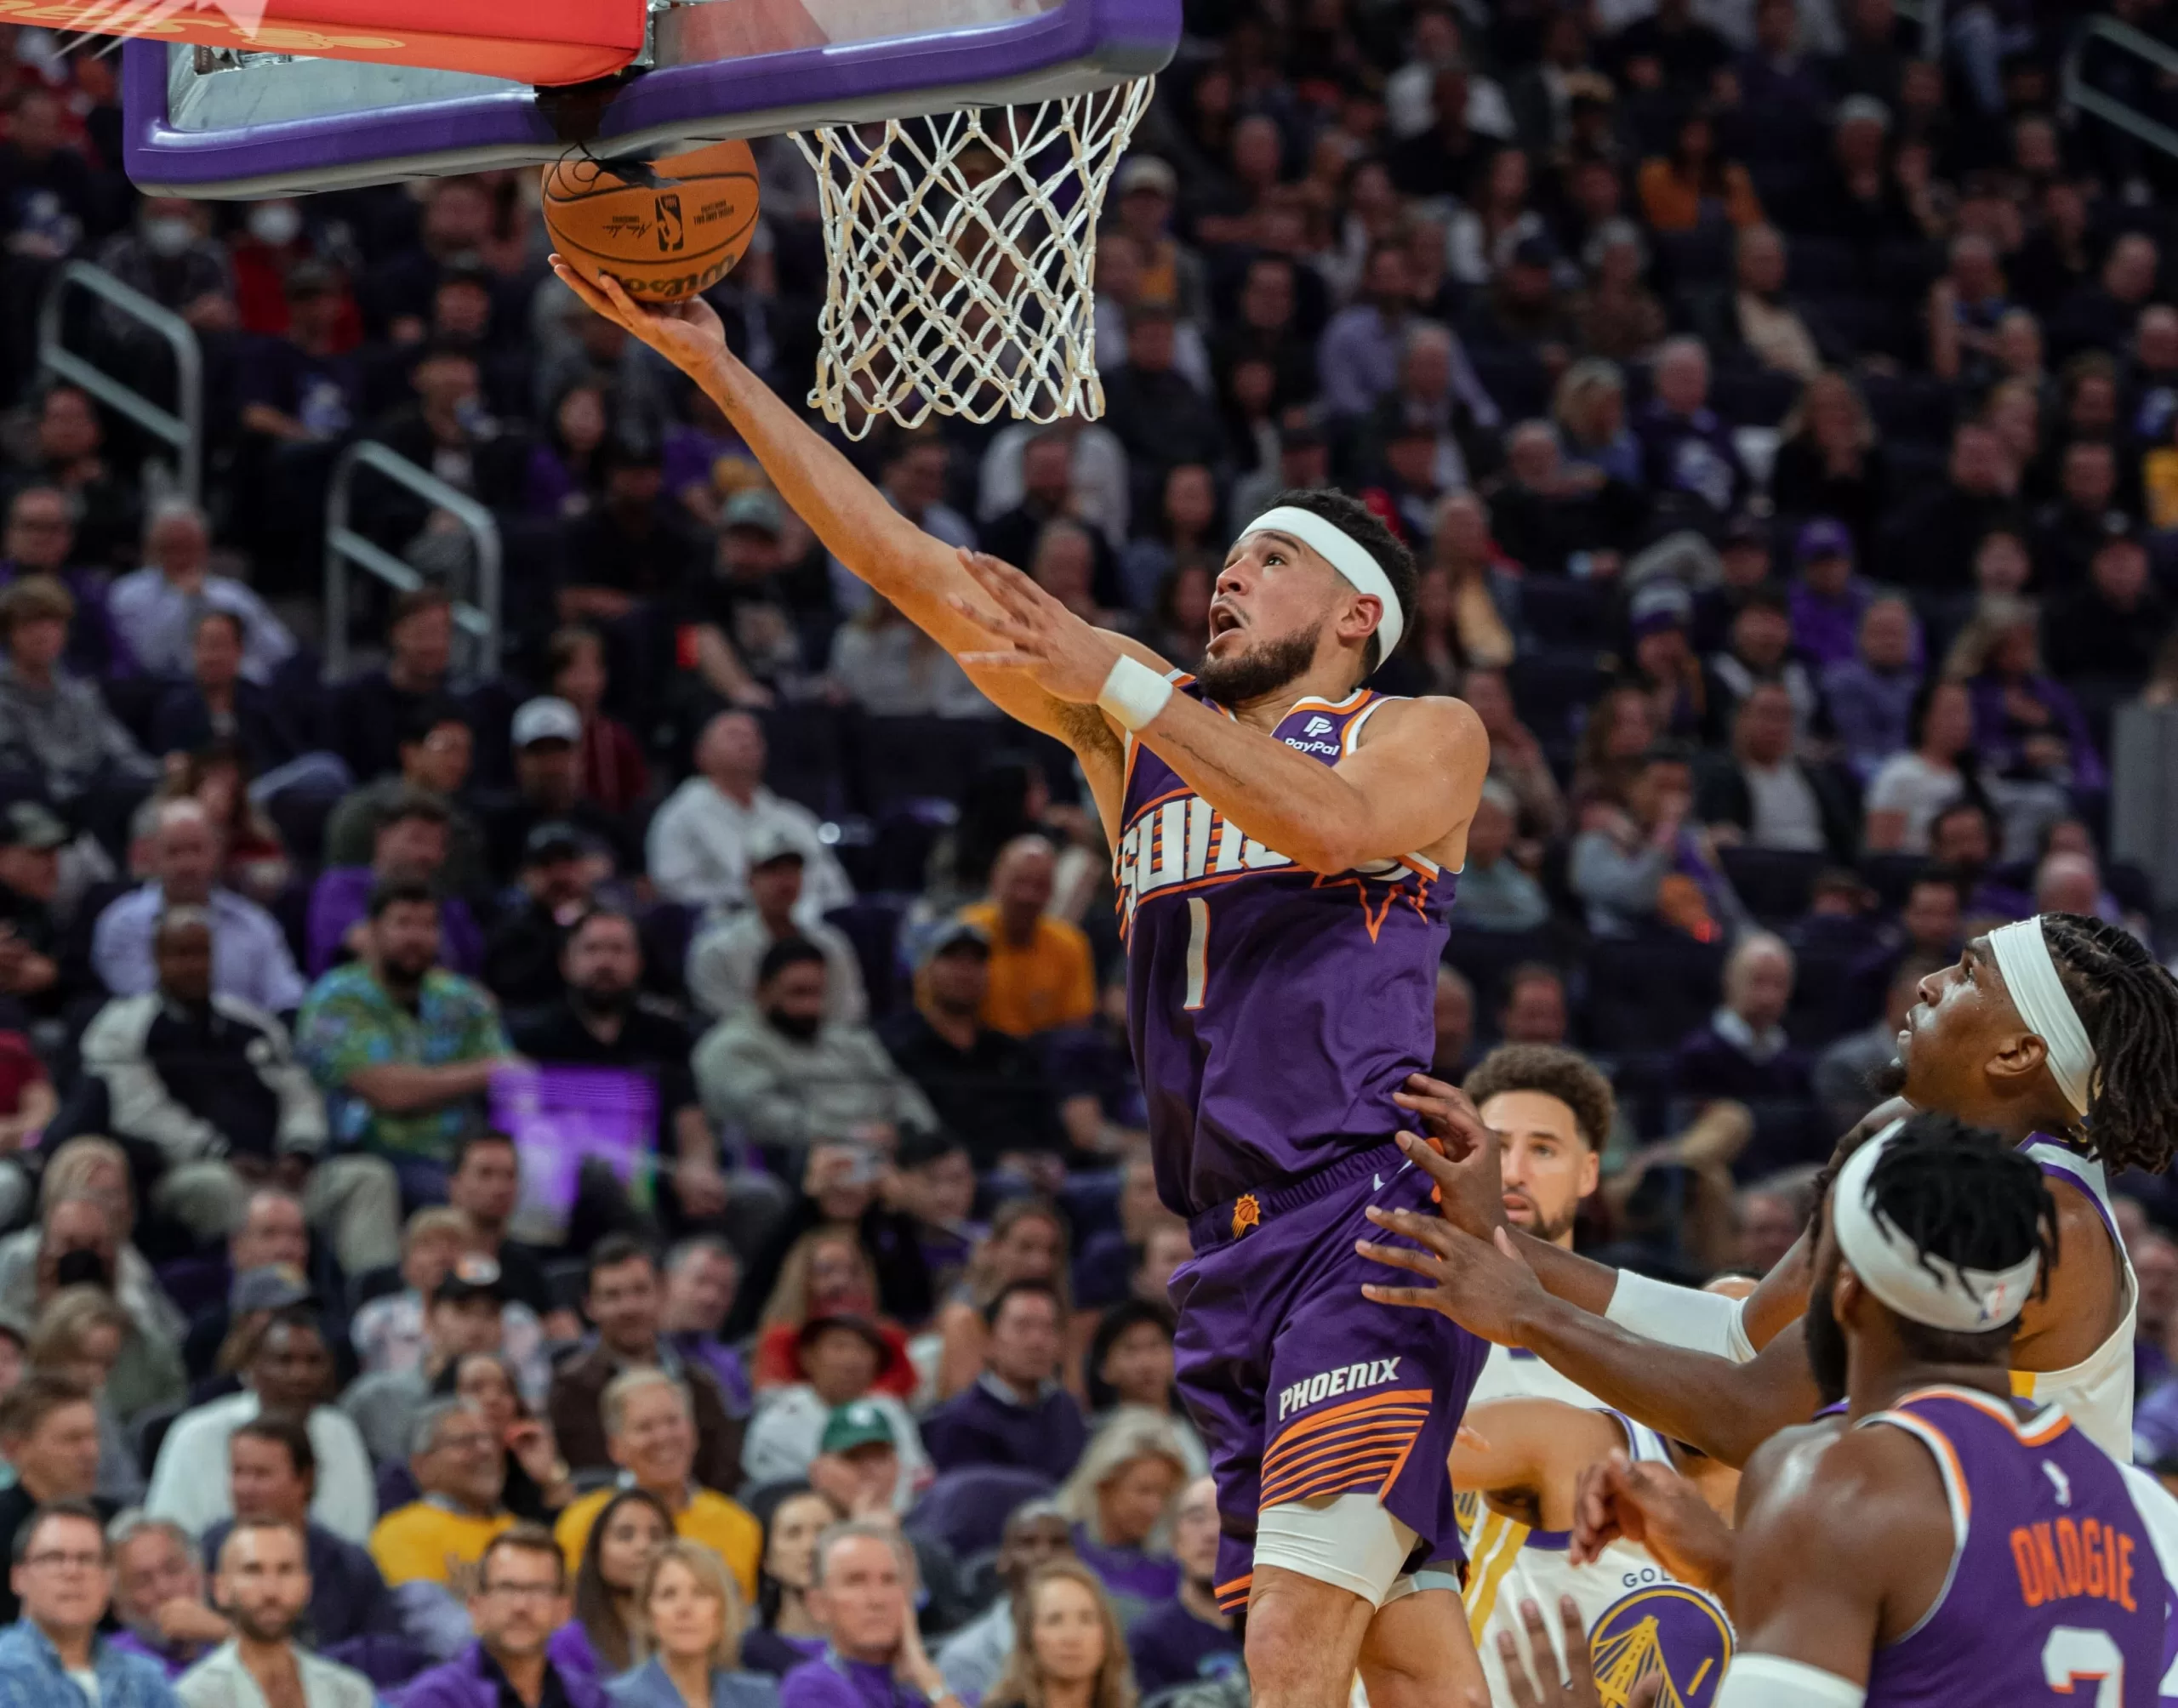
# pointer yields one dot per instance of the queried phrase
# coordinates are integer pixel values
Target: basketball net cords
(962, 285)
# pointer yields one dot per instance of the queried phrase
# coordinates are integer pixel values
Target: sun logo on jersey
(1247, 1214)
(1662, 1629)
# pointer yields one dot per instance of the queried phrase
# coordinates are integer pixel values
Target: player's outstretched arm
(921, 575)
(1725, 1409)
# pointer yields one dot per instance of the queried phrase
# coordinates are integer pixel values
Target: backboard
(210, 123)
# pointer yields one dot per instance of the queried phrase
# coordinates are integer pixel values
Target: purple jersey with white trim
(1274, 1010)
(2054, 1582)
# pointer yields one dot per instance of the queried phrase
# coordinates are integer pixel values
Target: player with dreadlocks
(2059, 1034)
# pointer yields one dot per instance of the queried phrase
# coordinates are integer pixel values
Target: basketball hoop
(961, 259)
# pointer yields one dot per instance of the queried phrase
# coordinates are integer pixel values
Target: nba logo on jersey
(1664, 1629)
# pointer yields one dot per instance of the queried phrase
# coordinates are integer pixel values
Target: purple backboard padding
(1139, 34)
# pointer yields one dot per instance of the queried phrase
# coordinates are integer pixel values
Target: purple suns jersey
(1272, 1010)
(2055, 1586)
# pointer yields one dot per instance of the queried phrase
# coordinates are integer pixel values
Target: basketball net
(961, 259)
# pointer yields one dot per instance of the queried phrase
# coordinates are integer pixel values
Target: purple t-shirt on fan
(1273, 1010)
(1171, 1646)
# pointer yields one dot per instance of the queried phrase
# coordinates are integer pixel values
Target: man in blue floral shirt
(53, 1657)
(404, 1049)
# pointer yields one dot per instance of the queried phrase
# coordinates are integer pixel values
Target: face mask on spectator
(278, 224)
(169, 236)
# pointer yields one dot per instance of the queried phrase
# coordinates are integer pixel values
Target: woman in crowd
(1130, 1367)
(825, 1273)
(539, 1484)
(1069, 1653)
(1937, 768)
(563, 476)
(613, 772)
(1186, 534)
(253, 858)
(1120, 1498)
(2027, 727)
(603, 1639)
(1694, 188)
(1617, 316)
(1621, 727)
(883, 664)
(1516, 757)
(1180, 617)
(1026, 1242)
(784, 1633)
(1830, 462)
(388, 1332)
(1589, 412)
(692, 1620)
(79, 1334)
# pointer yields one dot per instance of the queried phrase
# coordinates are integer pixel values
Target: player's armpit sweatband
(1681, 1317)
(1767, 1681)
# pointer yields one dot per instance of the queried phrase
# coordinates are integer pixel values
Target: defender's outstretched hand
(1654, 1507)
(1032, 632)
(1538, 1685)
(688, 334)
(1480, 1284)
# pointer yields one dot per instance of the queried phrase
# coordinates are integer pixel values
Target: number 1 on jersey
(1198, 951)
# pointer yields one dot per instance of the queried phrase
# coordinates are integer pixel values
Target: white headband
(1966, 1301)
(1346, 554)
(2038, 993)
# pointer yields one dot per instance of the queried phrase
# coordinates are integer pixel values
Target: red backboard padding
(560, 41)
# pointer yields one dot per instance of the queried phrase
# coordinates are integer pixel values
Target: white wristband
(1681, 1317)
(1133, 694)
(1769, 1680)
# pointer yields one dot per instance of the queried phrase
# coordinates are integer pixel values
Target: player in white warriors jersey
(2059, 1034)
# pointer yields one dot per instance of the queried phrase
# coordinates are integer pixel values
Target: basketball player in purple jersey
(2060, 1033)
(1285, 844)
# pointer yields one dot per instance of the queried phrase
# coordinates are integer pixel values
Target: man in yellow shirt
(650, 1434)
(1042, 972)
(436, 1541)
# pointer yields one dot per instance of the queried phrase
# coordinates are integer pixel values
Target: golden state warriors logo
(1662, 1630)
(1246, 1214)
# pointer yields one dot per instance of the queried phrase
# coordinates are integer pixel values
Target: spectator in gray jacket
(1644, 864)
(723, 960)
(54, 726)
(787, 1076)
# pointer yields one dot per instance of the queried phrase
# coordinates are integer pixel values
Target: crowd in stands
(614, 1168)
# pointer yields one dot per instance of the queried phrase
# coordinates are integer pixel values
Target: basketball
(663, 240)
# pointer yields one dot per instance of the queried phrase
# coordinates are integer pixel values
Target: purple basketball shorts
(1301, 1388)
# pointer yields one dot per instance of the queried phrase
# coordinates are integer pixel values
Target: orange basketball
(663, 241)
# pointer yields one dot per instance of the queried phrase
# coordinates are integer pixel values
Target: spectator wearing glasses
(426, 1549)
(53, 1653)
(520, 1599)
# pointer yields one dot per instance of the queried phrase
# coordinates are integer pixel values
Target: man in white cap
(546, 736)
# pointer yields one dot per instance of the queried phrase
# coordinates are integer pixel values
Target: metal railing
(2082, 96)
(181, 427)
(345, 547)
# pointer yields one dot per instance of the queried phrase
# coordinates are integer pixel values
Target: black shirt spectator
(370, 711)
(2114, 625)
(220, 704)
(546, 736)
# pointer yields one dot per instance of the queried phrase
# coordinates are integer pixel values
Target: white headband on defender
(2038, 994)
(1346, 554)
(1967, 1302)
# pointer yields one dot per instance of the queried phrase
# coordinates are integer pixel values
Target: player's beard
(1258, 672)
(1889, 1080)
(1825, 1346)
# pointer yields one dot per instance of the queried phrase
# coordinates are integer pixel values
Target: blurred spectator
(1160, 416)
(1929, 540)
(427, 1550)
(435, 748)
(840, 1358)
(1687, 451)
(290, 1371)
(860, 1592)
(80, 1334)
(404, 1049)
(1026, 1242)
(55, 729)
(371, 712)
(268, 1255)
(605, 1635)
(1742, 1052)
(1495, 894)
(2112, 628)
(1962, 838)
(2071, 529)
(786, 1633)
(1040, 973)
(484, 1186)
(1187, 1637)
(1831, 461)
(409, 845)
(1453, 1023)
(2099, 316)
(1828, 599)
(785, 1076)
(891, 669)
(463, 1316)
(518, 1599)
(1762, 795)
(32, 839)
(1070, 1642)
(694, 1620)
(2028, 726)
(1616, 316)
(1760, 651)
(623, 1299)
(552, 891)
(66, 1573)
(169, 254)
(825, 1272)
(1939, 767)
(264, 1581)
(650, 1428)
(545, 736)
(1535, 1009)
(352, 1614)
(1016, 1412)
(1185, 538)
(212, 1083)
(49, 1434)
(613, 772)
(724, 956)
(158, 1594)
(250, 961)
(1869, 697)
(1769, 1217)
(156, 609)
(1694, 187)
(700, 840)
(971, 1658)
(70, 452)
(1129, 1363)
(738, 629)
(1437, 403)
(1120, 1497)
(388, 1330)
(539, 1482)
(1555, 517)
(702, 1276)
(1844, 1075)
(1516, 757)
(1646, 864)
